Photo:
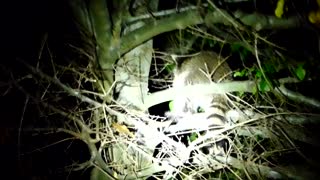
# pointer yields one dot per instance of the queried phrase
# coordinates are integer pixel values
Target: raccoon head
(199, 70)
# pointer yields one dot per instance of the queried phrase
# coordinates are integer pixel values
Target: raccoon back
(197, 69)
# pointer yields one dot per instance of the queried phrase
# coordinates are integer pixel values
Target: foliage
(280, 8)
(300, 72)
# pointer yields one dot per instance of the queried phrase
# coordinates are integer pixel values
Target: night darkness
(25, 25)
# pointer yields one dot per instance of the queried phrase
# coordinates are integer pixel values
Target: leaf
(240, 93)
(235, 47)
(279, 9)
(264, 86)
(193, 136)
(300, 72)
(241, 49)
(314, 16)
(258, 74)
(241, 73)
(244, 54)
(254, 90)
(169, 67)
(270, 68)
(171, 106)
(238, 74)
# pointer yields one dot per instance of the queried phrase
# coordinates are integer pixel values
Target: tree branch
(177, 21)
(224, 87)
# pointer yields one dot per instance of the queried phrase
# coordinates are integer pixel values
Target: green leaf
(254, 90)
(279, 9)
(236, 47)
(259, 137)
(241, 73)
(193, 136)
(269, 68)
(170, 67)
(240, 48)
(171, 107)
(264, 86)
(244, 54)
(237, 74)
(240, 93)
(300, 72)
(258, 74)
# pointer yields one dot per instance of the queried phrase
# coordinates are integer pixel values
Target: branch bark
(224, 87)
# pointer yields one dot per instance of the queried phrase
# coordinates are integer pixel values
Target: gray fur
(197, 70)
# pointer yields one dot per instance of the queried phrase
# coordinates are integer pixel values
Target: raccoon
(203, 68)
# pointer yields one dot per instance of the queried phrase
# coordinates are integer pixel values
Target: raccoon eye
(200, 109)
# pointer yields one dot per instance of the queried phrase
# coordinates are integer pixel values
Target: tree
(103, 96)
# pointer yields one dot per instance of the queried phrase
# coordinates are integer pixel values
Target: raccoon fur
(203, 68)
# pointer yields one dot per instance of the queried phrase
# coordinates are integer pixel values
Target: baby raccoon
(202, 68)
